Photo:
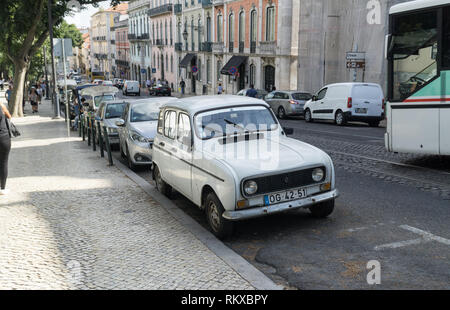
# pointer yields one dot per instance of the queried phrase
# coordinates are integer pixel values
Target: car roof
(96, 90)
(144, 100)
(193, 105)
(292, 91)
(352, 84)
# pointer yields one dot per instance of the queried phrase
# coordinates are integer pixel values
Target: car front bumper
(142, 150)
(286, 206)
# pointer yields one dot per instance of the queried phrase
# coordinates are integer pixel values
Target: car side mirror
(315, 98)
(120, 123)
(288, 131)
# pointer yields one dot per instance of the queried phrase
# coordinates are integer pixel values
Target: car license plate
(289, 195)
(361, 110)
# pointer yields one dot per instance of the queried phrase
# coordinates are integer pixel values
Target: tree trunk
(15, 105)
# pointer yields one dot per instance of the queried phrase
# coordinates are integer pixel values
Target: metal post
(66, 101)
(100, 139)
(83, 130)
(79, 125)
(108, 146)
(89, 130)
(94, 143)
(47, 88)
(54, 93)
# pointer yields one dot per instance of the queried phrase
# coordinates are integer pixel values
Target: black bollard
(94, 143)
(89, 130)
(108, 146)
(100, 139)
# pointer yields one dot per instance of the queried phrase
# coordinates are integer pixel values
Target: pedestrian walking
(5, 147)
(182, 85)
(220, 89)
(44, 90)
(34, 100)
(252, 92)
(8, 94)
(2, 83)
(39, 92)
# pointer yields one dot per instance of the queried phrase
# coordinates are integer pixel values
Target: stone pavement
(72, 222)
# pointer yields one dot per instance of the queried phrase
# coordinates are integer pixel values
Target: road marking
(425, 238)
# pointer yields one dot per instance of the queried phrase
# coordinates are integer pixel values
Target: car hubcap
(308, 116)
(214, 216)
(281, 113)
(339, 118)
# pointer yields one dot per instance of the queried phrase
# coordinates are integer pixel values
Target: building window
(208, 70)
(253, 26)
(270, 24)
(199, 23)
(230, 29)
(252, 73)
(219, 67)
(208, 29)
(165, 33)
(171, 63)
(199, 72)
(171, 33)
(219, 28)
(167, 63)
(241, 27)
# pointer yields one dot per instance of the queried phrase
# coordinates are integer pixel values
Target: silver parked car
(288, 103)
(137, 129)
(107, 114)
(261, 93)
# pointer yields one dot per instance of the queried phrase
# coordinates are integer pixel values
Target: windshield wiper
(234, 124)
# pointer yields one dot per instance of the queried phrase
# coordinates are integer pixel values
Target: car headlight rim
(139, 138)
(318, 174)
(250, 187)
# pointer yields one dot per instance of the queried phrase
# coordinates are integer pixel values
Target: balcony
(207, 47)
(143, 36)
(217, 2)
(162, 9)
(177, 8)
(113, 41)
(241, 47)
(231, 47)
(218, 47)
(206, 3)
(268, 47)
(131, 36)
(122, 63)
(159, 42)
(178, 47)
(252, 47)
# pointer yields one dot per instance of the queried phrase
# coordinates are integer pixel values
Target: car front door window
(184, 133)
(169, 124)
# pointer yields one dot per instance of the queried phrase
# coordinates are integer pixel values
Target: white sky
(82, 18)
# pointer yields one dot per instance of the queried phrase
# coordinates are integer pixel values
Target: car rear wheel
(308, 116)
(340, 118)
(323, 209)
(162, 186)
(220, 227)
(281, 113)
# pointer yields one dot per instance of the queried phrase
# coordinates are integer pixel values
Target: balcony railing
(178, 47)
(268, 47)
(217, 2)
(241, 47)
(177, 8)
(207, 47)
(162, 9)
(206, 3)
(113, 41)
(218, 47)
(252, 47)
(131, 36)
(159, 42)
(143, 36)
(231, 47)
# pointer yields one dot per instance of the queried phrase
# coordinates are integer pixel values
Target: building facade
(162, 38)
(329, 29)
(122, 46)
(139, 38)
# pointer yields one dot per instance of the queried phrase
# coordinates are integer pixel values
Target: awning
(234, 62)
(187, 60)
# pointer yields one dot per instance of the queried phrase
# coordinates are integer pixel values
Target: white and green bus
(418, 52)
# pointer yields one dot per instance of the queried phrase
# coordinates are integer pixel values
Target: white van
(131, 87)
(343, 102)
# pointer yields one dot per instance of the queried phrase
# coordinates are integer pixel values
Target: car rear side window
(169, 124)
(367, 92)
(301, 96)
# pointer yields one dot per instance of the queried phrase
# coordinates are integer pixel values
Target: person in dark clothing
(5, 147)
(182, 85)
(252, 92)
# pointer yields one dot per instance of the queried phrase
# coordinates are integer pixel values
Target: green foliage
(64, 30)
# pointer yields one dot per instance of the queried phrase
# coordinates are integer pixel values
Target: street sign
(356, 64)
(57, 45)
(143, 71)
(356, 55)
(194, 69)
(153, 70)
(233, 70)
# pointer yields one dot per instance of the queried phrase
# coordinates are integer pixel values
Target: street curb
(246, 270)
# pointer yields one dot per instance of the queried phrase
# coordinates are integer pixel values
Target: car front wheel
(323, 209)
(220, 227)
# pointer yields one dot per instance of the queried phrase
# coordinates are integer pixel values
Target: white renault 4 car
(230, 156)
(343, 102)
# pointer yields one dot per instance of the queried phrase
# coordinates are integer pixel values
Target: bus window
(446, 41)
(413, 51)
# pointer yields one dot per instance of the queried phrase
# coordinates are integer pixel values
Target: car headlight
(139, 138)
(250, 187)
(112, 130)
(318, 174)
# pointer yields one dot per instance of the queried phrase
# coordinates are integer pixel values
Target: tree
(25, 28)
(69, 31)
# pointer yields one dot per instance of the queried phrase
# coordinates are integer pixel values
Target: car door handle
(162, 144)
(321, 102)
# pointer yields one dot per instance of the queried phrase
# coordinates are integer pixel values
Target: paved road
(394, 208)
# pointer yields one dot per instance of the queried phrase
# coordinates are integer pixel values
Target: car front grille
(284, 181)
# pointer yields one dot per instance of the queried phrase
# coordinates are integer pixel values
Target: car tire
(161, 186)
(129, 161)
(121, 151)
(220, 227)
(340, 118)
(374, 124)
(322, 210)
(308, 116)
(281, 113)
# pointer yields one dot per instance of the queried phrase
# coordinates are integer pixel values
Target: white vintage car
(230, 156)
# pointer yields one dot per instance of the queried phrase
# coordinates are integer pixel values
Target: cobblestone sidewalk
(72, 222)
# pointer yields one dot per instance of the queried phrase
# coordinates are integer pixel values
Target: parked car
(107, 83)
(343, 102)
(131, 87)
(118, 83)
(288, 103)
(137, 128)
(261, 93)
(108, 113)
(160, 90)
(197, 151)
(96, 94)
(97, 82)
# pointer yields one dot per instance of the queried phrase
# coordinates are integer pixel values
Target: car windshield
(144, 112)
(301, 96)
(100, 99)
(223, 122)
(114, 110)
